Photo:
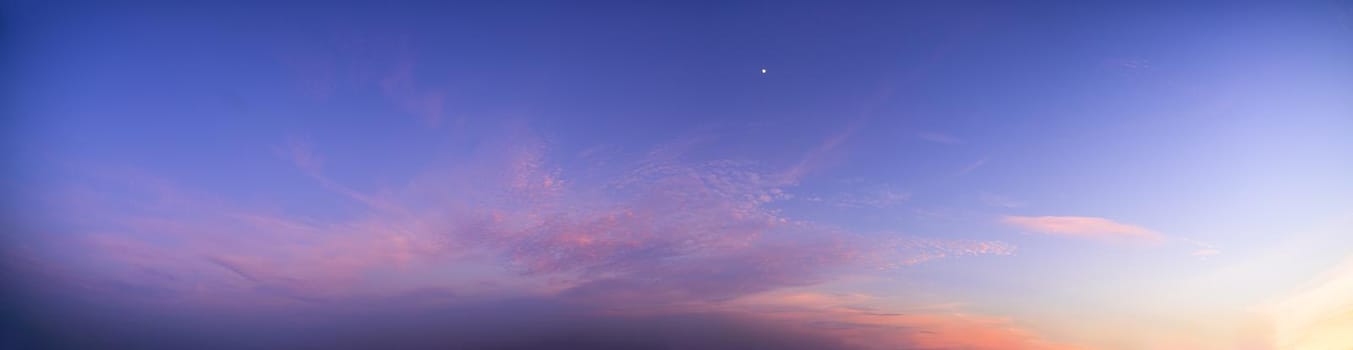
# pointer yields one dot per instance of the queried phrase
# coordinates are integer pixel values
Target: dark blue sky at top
(993, 71)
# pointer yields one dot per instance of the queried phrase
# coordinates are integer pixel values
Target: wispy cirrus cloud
(1084, 227)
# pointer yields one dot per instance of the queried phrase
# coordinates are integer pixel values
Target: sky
(677, 175)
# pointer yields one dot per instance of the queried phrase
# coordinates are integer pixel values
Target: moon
(763, 71)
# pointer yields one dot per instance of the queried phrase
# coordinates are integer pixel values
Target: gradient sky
(547, 175)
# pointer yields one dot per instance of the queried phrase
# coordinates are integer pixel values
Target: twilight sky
(556, 175)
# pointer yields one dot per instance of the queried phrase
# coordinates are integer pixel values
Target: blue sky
(1093, 176)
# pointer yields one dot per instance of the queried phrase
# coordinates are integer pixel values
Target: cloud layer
(663, 237)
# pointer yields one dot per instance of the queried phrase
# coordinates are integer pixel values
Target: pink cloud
(1083, 227)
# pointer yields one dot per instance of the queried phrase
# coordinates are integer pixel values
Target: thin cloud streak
(1083, 227)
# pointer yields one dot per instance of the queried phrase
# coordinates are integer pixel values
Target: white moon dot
(763, 71)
